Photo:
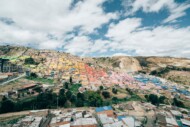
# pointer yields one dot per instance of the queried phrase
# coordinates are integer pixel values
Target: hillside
(52, 60)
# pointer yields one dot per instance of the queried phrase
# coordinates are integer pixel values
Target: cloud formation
(35, 19)
(157, 41)
(176, 10)
(84, 28)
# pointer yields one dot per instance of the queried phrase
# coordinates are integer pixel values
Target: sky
(98, 27)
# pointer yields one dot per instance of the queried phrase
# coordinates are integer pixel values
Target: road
(4, 83)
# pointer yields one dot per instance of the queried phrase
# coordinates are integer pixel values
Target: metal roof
(101, 109)
(121, 117)
(185, 122)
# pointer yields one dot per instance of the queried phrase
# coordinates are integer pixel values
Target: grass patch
(41, 80)
(134, 98)
(9, 57)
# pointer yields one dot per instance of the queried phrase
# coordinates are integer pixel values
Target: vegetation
(30, 60)
(178, 103)
(34, 77)
(41, 80)
(106, 94)
(143, 62)
(114, 90)
(7, 105)
(154, 99)
(66, 85)
(129, 91)
(71, 80)
(167, 69)
(101, 87)
(68, 96)
(74, 88)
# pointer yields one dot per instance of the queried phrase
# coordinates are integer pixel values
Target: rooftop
(171, 121)
(85, 121)
(176, 113)
(185, 122)
(105, 119)
(115, 124)
(101, 109)
(121, 117)
(129, 121)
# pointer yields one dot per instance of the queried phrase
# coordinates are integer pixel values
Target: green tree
(79, 103)
(94, 99)
(154, 99)
(115, 100)
(80, 96)
(178, 103)
(7, 105)
(61, 92)
(46, 100)
(33, 75)
(73, 99)
(71, 80)
(29, 61)
(101, 88)
(114, 90)
(62, 100)
(106, 94)
(66, 85)
(68, 95)
(161, 99)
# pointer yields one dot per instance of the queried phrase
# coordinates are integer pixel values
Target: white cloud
(100, 46)
(78, 45)
(120, 54)
(50, 44)
(53, 24)
(158, 41)
(82, 45)
(123, 28)
(176, 10)
(35, 19)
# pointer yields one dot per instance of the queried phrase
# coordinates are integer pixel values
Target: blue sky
(98, 27)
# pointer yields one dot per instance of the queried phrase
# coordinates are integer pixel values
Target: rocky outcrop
(120, 63)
